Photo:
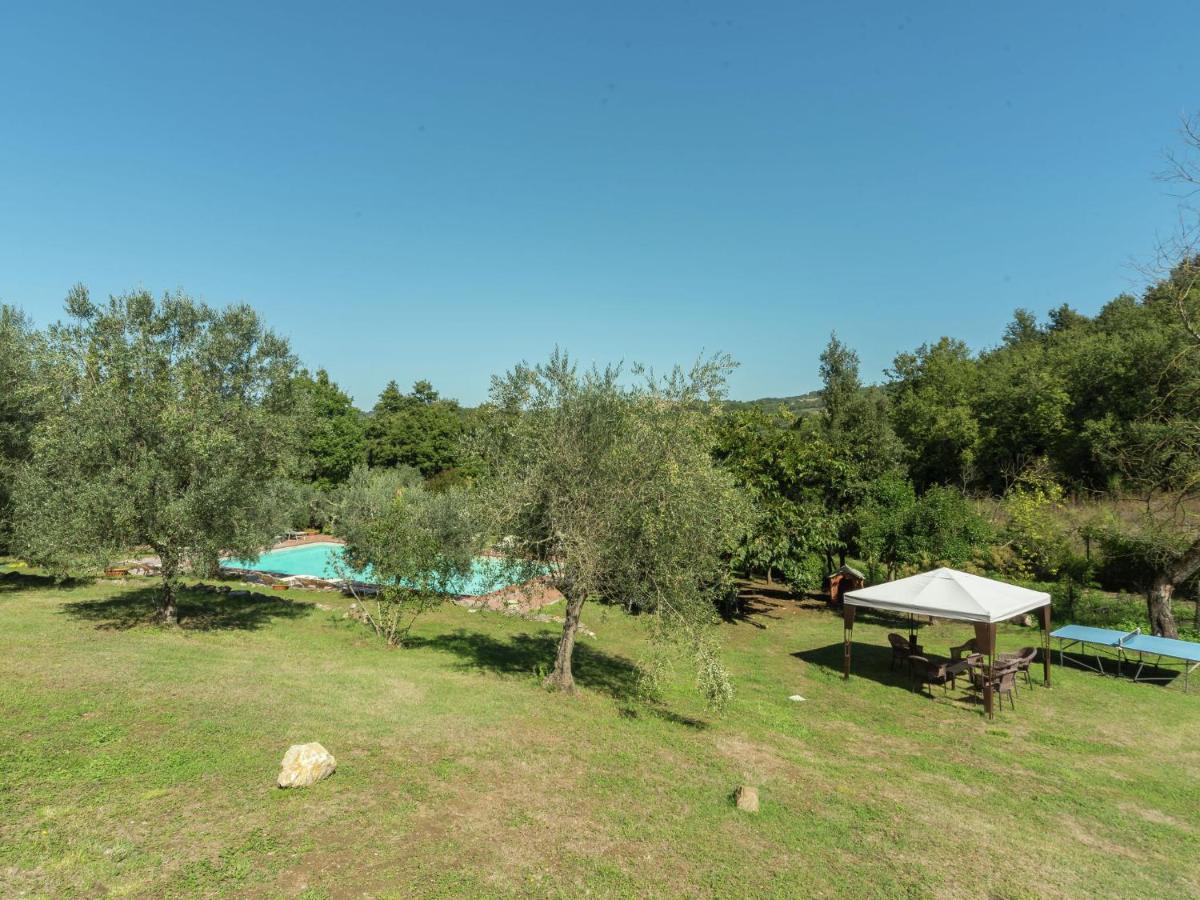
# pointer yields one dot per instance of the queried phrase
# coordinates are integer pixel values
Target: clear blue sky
(439, 191)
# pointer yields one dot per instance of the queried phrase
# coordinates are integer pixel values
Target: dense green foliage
(171, 429)
(1075, 435)
(418, 429)
(1074, 392)
(333, 432)
(21, 399)
(810, 478)
(1105, 405)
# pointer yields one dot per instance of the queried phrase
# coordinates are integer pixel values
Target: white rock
(796, 698)
(305, 764)
(746, 798)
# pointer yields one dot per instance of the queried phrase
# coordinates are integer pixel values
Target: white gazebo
(950, 594)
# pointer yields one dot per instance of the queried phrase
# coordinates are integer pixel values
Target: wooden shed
(846, 578)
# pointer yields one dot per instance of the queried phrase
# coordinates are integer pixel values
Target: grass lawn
(137, 760)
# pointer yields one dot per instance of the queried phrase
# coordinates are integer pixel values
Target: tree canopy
(418, 429)
(171, 429)
(333, 432)
(21, 402)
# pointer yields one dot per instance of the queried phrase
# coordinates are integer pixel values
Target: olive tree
(21, 397)
(415, 546)
(612, 490)
(171, 427)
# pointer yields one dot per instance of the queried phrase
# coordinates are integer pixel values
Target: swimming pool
(322, 560)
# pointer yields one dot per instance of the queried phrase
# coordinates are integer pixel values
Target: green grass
(136, 760)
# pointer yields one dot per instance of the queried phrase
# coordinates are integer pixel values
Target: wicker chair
(1003, 676)
(902, 650)
(969, 648)
(1024, 659)
(1006, 683)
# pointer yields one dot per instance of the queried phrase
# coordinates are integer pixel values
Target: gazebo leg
(1044, 614)
(985, 638)
(848, 612)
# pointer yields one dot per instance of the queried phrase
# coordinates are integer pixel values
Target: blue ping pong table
(1124, 645)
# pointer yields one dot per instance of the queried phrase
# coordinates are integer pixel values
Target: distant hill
(799, 405)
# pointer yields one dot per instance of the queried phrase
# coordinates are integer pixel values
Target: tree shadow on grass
(198, 610)
(28, 581)
(754, 602)
(532, 655)
(866, 661)
(628, 710)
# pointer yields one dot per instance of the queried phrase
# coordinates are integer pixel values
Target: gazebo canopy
(950, 594)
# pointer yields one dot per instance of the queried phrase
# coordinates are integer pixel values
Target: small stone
(305, 764)
(796, 698)
(747, 798)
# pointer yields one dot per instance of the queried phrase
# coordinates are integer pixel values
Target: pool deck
(307, 539)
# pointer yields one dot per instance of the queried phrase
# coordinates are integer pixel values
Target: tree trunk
(1158, 605)
(562, 677)
(770, 568)
(1158, 600)
(168, 611)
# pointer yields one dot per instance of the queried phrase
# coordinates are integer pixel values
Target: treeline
(418, 430)
(1070, 452)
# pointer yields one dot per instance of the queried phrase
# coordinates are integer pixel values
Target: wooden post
(848, 612)
(1044, 613)
(985, 639)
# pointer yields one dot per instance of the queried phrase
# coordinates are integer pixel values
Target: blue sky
(438, 191)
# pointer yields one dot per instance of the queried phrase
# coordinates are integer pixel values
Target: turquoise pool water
(321, 560)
